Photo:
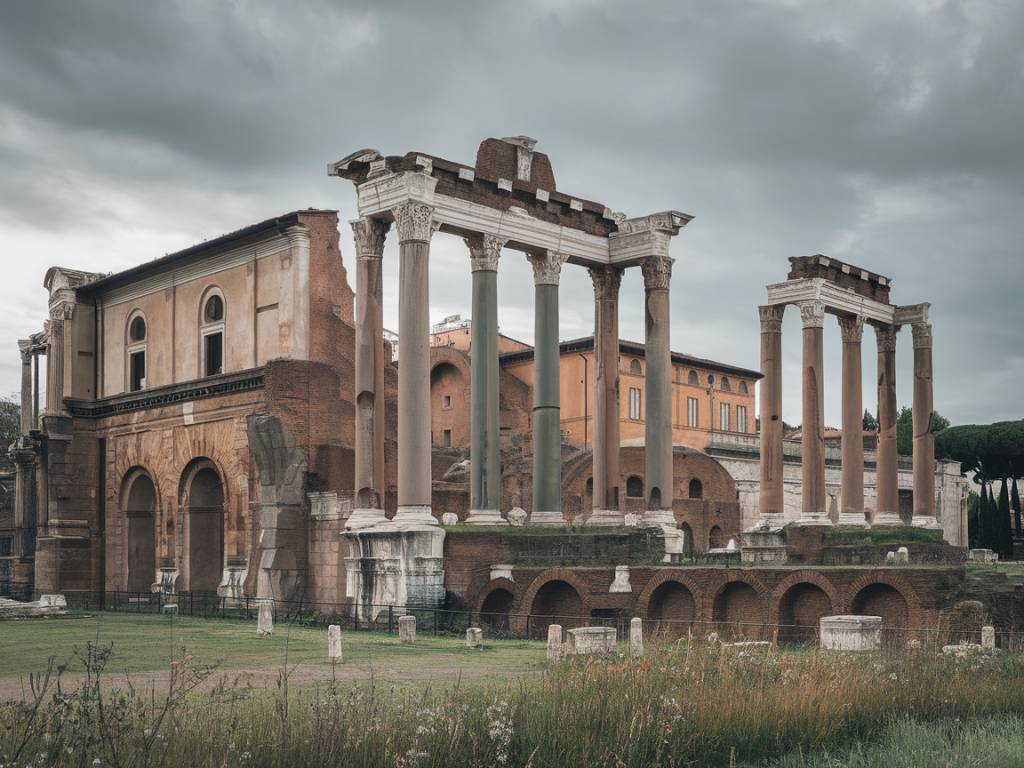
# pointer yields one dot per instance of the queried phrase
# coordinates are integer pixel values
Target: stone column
(415, 225)
(924, 440)
(813, 510)
(772, 498)
(657, 271)
(35, 391)
(607, 476)
(887, 506)
(370, 482)
(485, 425)
(547, 425)
(55, 364)
(852, 481)
(24, 347)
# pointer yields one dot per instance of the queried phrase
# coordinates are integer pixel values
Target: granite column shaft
(772, 500)
(887, 504)
(813, 443)
(657, 272)
(924, 440)
(606, 471)
(852, 479)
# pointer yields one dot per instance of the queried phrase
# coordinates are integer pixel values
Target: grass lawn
(149, 642)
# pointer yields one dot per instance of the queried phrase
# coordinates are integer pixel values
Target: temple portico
(507, 201)
(820, 286)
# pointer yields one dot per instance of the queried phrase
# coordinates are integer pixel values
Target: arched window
(211, 333)
(693, 379)
(726, 386)
(744, 389)
(135, 349)
(711, 380)
(696, 489)
(589, 489)
(634, 367)
(635, 487)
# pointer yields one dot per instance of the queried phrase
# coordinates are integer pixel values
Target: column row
(813, 492)
(415, 226)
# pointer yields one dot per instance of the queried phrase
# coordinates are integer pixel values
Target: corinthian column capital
(771, 317)
(606, 282)
(484, 252)
(851, 328)
(369, 235)
(547, 266)
(812, 314)
(885, 335)
(657, 271)
(414, 221)
(922, 335)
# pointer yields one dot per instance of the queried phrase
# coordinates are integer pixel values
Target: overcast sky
(889, 134)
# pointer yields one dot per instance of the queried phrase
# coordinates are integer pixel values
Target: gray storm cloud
(885, 134)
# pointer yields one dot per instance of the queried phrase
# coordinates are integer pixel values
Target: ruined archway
(138, 500)
(880, 599)
(716, 539)
(202, 502)
(672, 609)
(738, 612)
(495, 611)
(800, 610)
(557, 602)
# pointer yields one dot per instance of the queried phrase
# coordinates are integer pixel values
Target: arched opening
(448, 398)
(211, 333)
(885, 601)
(135, 350)
(557, 602)
(672, 607)
(725, 385)
(203, 503)
(687, 533)
(139, 500)
(800, 612)
(738, 612)
(693, 379)
(635, 367)
(635, 487)
(744, 389)
(654, 500)
(494, 613)
(716, 539)
(696, 490)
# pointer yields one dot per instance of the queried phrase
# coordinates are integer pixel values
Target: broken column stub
(394, 564)
(474, 637)
(851, 633)
(282, 509)
(334, 642)
(407, 629)
(554, 643)
(636, 637)
(265, 618)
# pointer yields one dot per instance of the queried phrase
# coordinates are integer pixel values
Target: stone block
(988, 638)
(517, 516)
(554, 643)
(982, 556)
(474, 637)
(890, 558)
(501, 571)
(636, 637)
(449, 519)
(902, 555)
(334, 642)
(586, 641)
(632, 520)
(53, 601)
(621, 583)
(851, 633)
(407, 629)
(265, 618)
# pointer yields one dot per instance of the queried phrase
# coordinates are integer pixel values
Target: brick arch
(892, 580)
(556, 574)
(739, 584)
(204, 542)
(495, 625)
(802, 577)
(131, 525)
(643, 601)
(492, 585)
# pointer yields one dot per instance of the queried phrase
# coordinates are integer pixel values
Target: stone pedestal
(763, 545)
(474, 637)
(851, 633)
(636, 637)
(334, 643)
(407, 629)
(988, 638)
(265, 618)
(586, 641)
(621, 583)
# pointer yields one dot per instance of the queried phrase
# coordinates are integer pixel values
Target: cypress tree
(973, 531)
(1005, 525)
(1015, 506)
(984, 524)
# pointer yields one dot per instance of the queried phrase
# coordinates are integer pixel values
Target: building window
(211, 331)
(692, 412)
(635, 368)
(696, 489)
(447, 437)
(446, 401)
(723, 417)
(744, 390)
(693, 379)
(679, 374)
(741, 418)
(635, 487)
(726, 386)
(136, 349)
(634, 404)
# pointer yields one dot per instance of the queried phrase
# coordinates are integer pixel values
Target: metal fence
(515, 626)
